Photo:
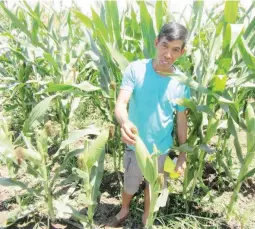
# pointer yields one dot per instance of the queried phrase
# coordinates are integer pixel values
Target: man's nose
(168, 54)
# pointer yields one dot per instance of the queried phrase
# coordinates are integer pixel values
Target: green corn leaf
(16, 21)
(51, 60)
(84, 86)
(231, 11)
(160, 12)
(205, 109)
(41, 141)
(249, 174)
(64, 208)
(250, 29)
(83, 175)
(37, 113)
(84, 19)
(211, 129)
(33, 156)
(218, 83)
(93, 152)
(99, 25)
(248, 57)
(8, 182)
(144, 161)
(198, 87)
(147, 30)
(232, 130)
(250, 123)
(118, 57)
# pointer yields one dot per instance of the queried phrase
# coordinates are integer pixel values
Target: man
(151, 93)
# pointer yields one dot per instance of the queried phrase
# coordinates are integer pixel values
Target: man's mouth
(164, 62)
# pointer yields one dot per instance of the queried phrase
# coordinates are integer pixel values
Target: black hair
(174, 31)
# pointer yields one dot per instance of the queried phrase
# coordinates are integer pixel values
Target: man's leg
(126, 200)
(132, 179)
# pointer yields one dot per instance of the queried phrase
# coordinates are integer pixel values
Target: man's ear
(183, 51)
(156, 41)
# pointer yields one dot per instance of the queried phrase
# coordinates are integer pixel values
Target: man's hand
(181, 164)
(128, 131)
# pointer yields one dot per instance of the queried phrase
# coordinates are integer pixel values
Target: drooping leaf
(37, 113)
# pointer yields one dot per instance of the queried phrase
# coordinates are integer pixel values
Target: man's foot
(115, 221)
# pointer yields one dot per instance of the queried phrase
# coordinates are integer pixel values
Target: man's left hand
(181, 163)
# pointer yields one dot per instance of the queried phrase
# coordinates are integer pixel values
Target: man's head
(170, 44)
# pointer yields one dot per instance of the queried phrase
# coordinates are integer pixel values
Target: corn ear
(145, 161)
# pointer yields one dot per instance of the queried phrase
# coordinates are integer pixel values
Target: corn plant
(36, 161)
(245, 171)
(91, 163)
(148, 163)
(47, 62)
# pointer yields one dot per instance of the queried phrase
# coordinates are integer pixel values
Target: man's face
(167, 52)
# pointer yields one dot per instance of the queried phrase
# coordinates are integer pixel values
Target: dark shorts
(133, 176)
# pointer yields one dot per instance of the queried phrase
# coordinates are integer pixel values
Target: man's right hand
(128, 132)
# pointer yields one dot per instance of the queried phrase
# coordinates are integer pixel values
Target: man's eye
(176, 50)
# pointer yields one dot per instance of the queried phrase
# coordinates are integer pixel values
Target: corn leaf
(84, 86)
(84, 19)
(250, 123)
(99, 25)
(37, 113)
(248, 57)
(232, 130)
(93, 152)
(147, 31)
(231, 11)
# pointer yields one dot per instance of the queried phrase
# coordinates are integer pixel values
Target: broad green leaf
(249, 174)
(231, 11)
(184, 148)
(84, 19)
(147, 30)
(37, 113)
(64, 208)
(16, 21)
(250, 123)
(51, 60)
(99, 25)
(8, 182)
(248, 57)
(83, 175)
(84, 86)
(160, 12)
(33, 155)
(250, 29)
(207, 148)
(205, 109)
(118, 57)
(232, 130)
(93, 152)
(211, 129)
(75, 135)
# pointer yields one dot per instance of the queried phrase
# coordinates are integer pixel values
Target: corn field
(60, 74)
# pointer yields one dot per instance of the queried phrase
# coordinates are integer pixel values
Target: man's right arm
(121, 114)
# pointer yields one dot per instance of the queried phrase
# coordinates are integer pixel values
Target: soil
(110, 202)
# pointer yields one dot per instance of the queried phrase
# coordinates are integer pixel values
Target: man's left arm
(182, 128)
